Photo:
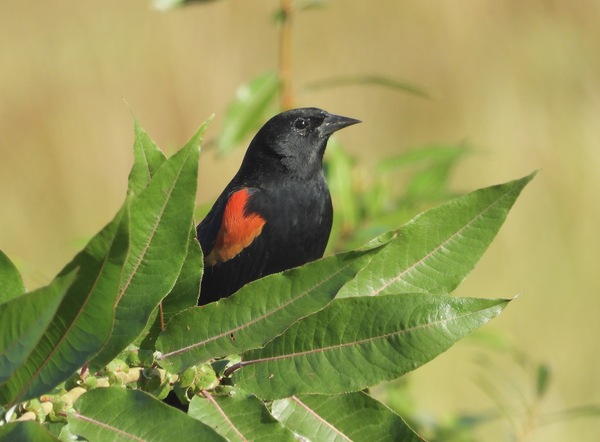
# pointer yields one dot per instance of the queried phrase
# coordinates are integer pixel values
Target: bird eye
(301, 123)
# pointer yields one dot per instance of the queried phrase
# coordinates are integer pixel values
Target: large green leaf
(186, 291)
(256, 313)
(23, 321)
(345, 417)
(184, 294)
(161, 216)
(238, 416)
(24, 432)
(248, 110)
(431, 254)
(355, 343)
(11, 282)
(434, 252)
(118, 414)
(83, 320)
(147, 160)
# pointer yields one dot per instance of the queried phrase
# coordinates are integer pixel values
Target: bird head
(296, 139)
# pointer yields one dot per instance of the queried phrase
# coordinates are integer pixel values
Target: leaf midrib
(363, 341)
(422, 260)
(65, 335)
(223, 414)
(256, 320)
(157, 222)
(320, 418)
(105, 426)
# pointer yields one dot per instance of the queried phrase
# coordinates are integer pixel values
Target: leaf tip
(515, 297)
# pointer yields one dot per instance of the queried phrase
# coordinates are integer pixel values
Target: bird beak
(334, 123)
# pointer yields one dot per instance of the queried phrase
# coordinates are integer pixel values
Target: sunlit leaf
(23, 321)
(345, 417)
(119, 414)
(161, 216)
(256, 313)
(83, 320)
(238, 416)
(25, 431)
(147, 160)
(184, 294)
(186, 291)
(11, 282)
(356, 343)
(436, 250)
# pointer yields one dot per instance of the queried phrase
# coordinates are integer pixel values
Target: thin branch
(285, 54)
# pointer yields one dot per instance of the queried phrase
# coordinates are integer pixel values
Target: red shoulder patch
(238, 229)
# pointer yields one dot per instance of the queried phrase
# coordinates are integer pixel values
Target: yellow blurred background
(518, 80)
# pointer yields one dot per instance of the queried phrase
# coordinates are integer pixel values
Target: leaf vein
(320, 418)
(64, 336)
(254, 321)
(220, 410)
(107, 427)
(440, 246)
(157, 220)
(360, 342)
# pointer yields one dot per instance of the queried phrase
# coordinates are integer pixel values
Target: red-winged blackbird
(276, 212)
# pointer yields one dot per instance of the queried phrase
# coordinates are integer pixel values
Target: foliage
(289, 357)
(331, 328)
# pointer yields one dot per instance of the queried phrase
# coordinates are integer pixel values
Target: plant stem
(286, 95)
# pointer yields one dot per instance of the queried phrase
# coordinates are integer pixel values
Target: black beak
(333, 123)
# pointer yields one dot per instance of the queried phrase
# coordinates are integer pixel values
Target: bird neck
(268, 164)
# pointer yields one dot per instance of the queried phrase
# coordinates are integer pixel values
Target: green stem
(286, 95)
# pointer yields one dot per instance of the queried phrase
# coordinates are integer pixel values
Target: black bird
(276, 212)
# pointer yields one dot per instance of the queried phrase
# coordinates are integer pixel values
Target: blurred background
(519, 82)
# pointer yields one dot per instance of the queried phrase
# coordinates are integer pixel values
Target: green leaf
(147, 159)
(11, 282)
(161, 216)
(361, 80)
(355, 343)
(256, 313)
(238, 416)
(248, 110)
(83, 320)
(168, 4)
(346, 417)
(184, 294)
(186, 291)
(436, 250)
(118, 414)
(25, 431)
(23, 321)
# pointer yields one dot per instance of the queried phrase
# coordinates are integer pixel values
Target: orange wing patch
(237, 231)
